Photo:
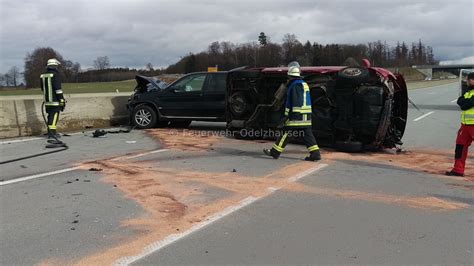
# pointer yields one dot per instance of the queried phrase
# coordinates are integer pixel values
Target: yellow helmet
(53, 62)
(294, 69)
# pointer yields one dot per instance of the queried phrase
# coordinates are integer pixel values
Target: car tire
(179, 124)
(143, 116)
(349, 146)
(353, 75)
(239, 104)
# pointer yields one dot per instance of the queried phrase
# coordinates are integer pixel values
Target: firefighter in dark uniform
(466, 132)
(297, 117)
(53, 97)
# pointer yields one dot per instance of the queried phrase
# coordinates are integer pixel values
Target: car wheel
(353, 74)
(180, 124)
(144, 116)
(349, 146)
(238, 104)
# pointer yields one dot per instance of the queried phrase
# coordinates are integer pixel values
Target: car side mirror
(176, 89)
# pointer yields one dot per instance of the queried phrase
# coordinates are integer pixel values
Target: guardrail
(21, 115)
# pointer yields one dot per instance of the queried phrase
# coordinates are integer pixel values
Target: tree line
(264, 53)
(227, 55)
(35, 64)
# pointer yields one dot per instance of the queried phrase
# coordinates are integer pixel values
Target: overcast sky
(133, 33)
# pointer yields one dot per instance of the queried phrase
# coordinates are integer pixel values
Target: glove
(62, 104)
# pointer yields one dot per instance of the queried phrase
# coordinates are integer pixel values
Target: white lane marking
(3, 183)
(156, 246)
(305, 173)
(175, 237)
(19, 140)
(423, 116)
(36, 138)
(139, 155)
(455, 100)
(21, 179)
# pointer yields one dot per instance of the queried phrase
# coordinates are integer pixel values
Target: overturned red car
(354, 108)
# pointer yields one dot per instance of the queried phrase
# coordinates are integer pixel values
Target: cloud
(133, 33)
(463, 61)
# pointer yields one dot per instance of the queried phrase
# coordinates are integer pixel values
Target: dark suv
(194, 97)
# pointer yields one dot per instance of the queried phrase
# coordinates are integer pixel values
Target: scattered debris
(72, 228)
(23, 166)
(75, 221)
(95, 169)
(87, 180)
(77, 194)
(99, 133)
(234, 171)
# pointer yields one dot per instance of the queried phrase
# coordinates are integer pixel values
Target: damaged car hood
(145, 84)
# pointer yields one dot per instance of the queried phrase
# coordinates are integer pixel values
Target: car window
(192, 83)
(216, 82)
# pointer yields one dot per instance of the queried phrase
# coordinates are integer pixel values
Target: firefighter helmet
(53, 62)
(294, 69)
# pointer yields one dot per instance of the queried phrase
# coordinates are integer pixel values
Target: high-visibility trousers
(463, 141)
(295, 133)
(53, 117)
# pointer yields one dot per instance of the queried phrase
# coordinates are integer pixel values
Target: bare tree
(2, 80)
(14, 74)
(102, 62)
(292, 48)
(149, 67)
(35, 64)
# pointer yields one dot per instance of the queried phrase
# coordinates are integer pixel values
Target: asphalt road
(171, 197)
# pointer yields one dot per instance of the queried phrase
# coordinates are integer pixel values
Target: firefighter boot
(272, 153)
(51, 134)
(52, 137)
(313, 156)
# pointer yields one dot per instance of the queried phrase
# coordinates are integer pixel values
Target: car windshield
(465, 72)
(160, 84)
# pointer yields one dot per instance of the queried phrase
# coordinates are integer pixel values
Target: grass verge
(70, 88)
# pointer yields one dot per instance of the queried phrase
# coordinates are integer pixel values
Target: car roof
(323, 70)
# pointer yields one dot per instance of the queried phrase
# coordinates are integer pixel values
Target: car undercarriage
(354, 108)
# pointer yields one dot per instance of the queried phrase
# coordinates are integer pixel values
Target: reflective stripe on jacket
(467, 116)
(298, 104)
(51, 87)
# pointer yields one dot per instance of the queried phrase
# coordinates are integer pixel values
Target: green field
(129, 85)
(92, 87)
(413, 85)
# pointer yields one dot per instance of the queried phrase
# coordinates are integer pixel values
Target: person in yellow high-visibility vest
(466, 132)
(297, 117)
(52, 96)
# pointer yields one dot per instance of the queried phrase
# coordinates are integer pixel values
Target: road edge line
(26, 178)
(170, 239)
(423, 116)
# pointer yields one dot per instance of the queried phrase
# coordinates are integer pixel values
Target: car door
(214, 95)
(183, 98)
